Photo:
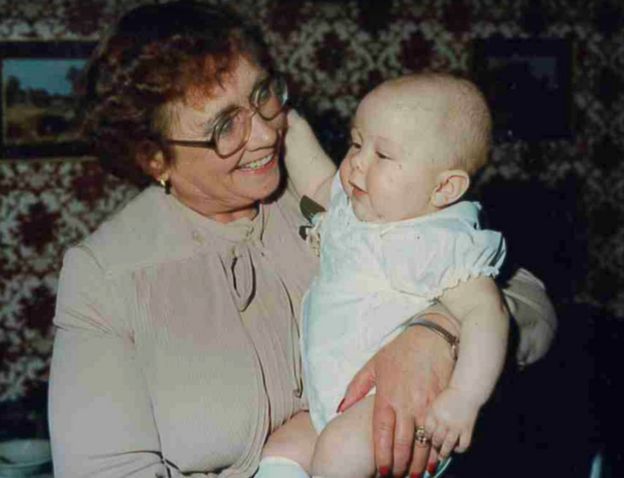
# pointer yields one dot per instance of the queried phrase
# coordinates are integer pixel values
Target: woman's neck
(217, 212)
(225, 217)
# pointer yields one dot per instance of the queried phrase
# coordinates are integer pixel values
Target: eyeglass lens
(233, 129)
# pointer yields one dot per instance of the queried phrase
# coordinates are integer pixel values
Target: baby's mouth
(356, 190)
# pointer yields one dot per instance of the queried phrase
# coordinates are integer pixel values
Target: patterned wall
(561, 203)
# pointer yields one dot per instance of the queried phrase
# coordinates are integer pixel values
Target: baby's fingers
(464, 442)
(438, 437)
(448, 444)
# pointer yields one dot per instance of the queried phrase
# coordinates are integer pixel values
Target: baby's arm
(484, 318)
(309, 168)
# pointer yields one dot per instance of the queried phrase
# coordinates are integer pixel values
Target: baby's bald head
(452, 109)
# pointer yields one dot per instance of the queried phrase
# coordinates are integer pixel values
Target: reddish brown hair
(153, 55)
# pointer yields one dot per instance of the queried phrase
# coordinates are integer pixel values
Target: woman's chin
(263, 186)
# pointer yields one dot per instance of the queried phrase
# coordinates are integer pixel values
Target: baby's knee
(279, 467)
(295, 440)
(281, 446)
(342, 453)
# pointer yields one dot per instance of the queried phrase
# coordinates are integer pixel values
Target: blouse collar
(243, 229)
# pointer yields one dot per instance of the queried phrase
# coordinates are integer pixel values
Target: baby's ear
(450, 187)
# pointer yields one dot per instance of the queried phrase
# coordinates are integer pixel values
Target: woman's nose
(263, 132)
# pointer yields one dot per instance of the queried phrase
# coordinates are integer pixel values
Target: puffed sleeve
(427, 259)
(100, 416)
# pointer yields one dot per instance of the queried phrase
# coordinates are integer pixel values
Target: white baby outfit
(375, 277)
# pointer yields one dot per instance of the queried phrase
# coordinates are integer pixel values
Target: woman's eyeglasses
(232, 128)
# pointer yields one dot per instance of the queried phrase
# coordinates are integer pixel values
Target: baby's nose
(358, 160)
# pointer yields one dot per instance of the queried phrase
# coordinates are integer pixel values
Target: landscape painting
(40, 98)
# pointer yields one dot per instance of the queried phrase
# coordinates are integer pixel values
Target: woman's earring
(166, 184)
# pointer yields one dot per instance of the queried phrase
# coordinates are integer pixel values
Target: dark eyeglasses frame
(253, 101)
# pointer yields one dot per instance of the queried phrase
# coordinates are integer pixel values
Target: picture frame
(528, 84)
(39, 103)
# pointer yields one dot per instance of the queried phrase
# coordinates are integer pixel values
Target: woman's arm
(309, 168)
(100, 414)
(533, 313)
(413, 369)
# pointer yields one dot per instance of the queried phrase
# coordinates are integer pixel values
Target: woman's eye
(355, 145)
(264, 94)
(226, 127)
(382, 156)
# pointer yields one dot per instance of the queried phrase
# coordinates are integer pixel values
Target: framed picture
(38, 111)
(528, 86)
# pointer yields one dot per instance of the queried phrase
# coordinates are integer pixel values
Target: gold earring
(166, 185)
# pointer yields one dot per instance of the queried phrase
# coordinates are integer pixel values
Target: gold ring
(422, 439)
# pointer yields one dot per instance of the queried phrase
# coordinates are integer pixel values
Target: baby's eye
(382, 156)
(355, 145)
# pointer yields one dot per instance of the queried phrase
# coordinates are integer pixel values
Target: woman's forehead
(233, 87)
(199, 105)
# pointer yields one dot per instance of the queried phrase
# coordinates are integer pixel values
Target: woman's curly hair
(153, 55)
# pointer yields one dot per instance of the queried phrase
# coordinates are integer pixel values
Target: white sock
(280, 467)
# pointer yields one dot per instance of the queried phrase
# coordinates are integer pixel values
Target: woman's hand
(409, 373)
(309, 168)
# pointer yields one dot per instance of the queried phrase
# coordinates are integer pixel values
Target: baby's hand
(450, 421)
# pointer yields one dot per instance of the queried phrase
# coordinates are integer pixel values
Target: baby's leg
(294, 441)
(344, 448)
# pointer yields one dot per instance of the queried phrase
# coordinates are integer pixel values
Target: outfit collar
(236, 231)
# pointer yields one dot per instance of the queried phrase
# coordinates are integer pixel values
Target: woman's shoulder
(145, 231)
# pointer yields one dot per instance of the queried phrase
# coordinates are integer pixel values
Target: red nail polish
(338, 410)
(432, 468)
(416, 475)
(384, 471)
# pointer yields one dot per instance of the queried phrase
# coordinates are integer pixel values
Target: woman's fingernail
(416, 475)
(432, 468)
(384, 470)
(339, 409)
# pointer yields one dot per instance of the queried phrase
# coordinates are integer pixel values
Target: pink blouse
(176, 346)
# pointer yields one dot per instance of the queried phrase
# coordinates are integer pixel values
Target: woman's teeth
(259, 163)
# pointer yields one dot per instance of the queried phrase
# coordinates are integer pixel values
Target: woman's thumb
(360, 385)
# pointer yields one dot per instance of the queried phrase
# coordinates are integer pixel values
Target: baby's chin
(365, 214)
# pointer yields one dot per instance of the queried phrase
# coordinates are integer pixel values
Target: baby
(395, 239)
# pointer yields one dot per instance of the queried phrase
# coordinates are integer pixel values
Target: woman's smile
(260, 166)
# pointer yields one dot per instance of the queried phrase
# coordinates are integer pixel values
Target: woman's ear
(450, 187)
(154, 166)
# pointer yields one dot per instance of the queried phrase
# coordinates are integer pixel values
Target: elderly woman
(176, 350)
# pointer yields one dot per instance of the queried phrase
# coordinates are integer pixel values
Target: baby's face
(389, 172)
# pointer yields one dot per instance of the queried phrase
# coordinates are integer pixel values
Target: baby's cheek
(388, 179)
(344, 173)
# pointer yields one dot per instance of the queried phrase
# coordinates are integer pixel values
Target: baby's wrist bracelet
(451, 339)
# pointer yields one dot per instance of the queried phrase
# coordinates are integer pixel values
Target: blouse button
(197, 237)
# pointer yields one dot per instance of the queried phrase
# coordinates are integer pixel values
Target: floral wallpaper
(560, 202)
